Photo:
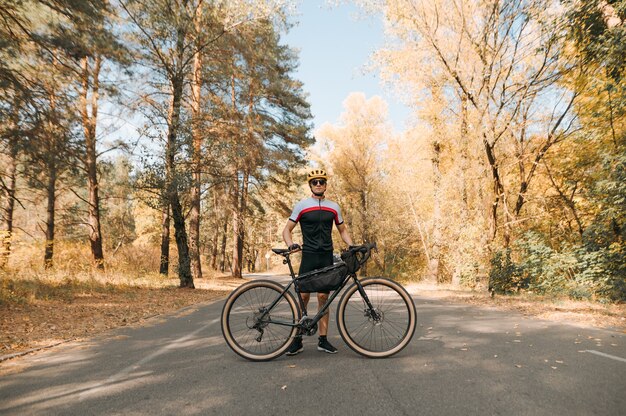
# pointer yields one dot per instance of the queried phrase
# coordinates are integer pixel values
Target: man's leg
(323, 344)
(296, 346)
(305, 298)
(321, 300)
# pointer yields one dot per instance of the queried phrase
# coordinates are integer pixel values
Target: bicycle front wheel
(382, 331)
(251, 328)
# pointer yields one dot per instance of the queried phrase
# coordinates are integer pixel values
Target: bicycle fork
(370, 311)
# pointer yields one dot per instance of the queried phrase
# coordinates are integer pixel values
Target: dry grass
(130, 264)
(41, 307)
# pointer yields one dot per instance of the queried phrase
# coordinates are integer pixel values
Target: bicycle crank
(308, 327)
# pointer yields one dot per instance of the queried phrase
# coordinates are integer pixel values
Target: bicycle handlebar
(365, 249)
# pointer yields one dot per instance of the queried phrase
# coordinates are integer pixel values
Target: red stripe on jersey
(319, 209)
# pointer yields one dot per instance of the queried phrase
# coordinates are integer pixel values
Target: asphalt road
(463, 360)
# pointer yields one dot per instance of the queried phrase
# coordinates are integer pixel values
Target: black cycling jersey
(316, 217)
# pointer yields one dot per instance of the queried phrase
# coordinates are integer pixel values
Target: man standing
(316, 216)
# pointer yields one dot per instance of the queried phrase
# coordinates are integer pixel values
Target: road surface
(463, 360)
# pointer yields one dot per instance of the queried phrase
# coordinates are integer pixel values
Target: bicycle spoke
(384, 332)
(250, 323)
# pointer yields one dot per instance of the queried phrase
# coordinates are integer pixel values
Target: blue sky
(335, 45)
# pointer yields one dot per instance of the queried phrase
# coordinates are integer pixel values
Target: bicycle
(376, 316)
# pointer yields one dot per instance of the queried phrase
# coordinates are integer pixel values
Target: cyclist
(316, 216)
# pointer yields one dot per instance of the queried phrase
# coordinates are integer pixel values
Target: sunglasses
(316, 182)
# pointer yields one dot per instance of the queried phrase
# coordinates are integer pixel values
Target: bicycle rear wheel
(253, 331)
(384, 331)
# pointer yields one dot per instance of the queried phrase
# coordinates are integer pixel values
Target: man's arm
(287, 233)
(345, 235)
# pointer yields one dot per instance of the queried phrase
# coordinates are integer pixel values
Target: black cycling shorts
(317, 260)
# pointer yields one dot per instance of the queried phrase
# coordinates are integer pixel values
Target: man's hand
(294, 247)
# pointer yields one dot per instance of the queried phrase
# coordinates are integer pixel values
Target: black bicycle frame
(326, 305)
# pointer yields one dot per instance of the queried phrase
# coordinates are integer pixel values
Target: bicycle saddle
(280, 250)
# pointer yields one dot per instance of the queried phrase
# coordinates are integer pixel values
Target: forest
(172, 137)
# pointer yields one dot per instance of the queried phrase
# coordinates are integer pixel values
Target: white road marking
(120, 375)
(612, 357)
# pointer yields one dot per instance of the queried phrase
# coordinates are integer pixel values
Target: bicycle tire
(244, 305)
(377, 339)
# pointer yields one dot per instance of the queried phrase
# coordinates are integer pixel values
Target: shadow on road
(462, 360)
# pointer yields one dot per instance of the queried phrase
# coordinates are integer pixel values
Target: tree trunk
(184, 262)
(252, 258)
(165, 242)
(223, 248)
(51, 169)
(234, 257)
(214, 251)
(498, 192)
(465, 164)
(9, 205)
(437, 224)
(238, 231)
(180, 234)
(51, 193)
(6, 234)
(239, 206)
(194, 215)
(216, 234)
(464, 169)
(89, 128)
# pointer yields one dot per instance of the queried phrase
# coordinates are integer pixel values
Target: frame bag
(322, 280)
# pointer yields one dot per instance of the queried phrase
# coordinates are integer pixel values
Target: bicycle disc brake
(374, 315)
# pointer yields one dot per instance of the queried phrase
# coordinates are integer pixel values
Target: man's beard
(318, 193)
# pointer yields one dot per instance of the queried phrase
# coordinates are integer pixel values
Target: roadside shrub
(576, 271)
(505, 276)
